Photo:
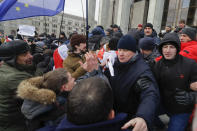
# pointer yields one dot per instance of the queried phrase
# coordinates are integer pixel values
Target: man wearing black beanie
(150, 32)
(148, 50)
(134, 86)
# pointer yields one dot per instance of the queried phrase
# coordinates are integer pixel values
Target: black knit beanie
(14, 48)
(149, 25)
(147, 43)
(127, 42)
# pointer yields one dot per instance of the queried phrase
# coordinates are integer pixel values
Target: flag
(18, 9)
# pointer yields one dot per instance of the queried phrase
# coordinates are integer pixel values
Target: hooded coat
(40, 105)
(173, 75)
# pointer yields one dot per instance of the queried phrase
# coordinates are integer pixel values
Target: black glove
(183, 97)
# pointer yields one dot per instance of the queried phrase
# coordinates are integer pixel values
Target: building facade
(129, 13)
(47, 24)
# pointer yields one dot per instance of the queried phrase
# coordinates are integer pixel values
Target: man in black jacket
(134, 87)
(177, 78)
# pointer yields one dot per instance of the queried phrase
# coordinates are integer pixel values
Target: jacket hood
(171, 38)
(97, 31)
(30, 90)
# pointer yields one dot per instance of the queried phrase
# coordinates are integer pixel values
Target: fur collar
(29, 90)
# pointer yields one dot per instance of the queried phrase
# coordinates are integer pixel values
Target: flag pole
(87, 27)
(61, 23)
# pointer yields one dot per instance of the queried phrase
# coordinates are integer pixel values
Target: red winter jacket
(190, 43)
(189, 50)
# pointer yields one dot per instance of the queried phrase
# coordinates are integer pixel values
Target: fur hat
(127, 42)
(191, 32)
(77, 39)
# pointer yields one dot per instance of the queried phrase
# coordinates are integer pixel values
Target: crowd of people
(115, 82)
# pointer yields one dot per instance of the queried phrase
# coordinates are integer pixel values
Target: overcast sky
(75, 7)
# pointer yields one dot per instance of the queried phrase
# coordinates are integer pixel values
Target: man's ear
(111, 115)
(64, 88)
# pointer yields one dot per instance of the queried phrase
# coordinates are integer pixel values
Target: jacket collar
(108, 125)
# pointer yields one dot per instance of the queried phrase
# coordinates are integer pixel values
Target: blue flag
(18, 9)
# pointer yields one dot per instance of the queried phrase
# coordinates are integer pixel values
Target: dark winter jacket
(178, 73)
(11, 118)
(94, 42)
(109, 125)
(40, 106)
(135, 89)
(154, 36)
(173, 75)
(150, 59)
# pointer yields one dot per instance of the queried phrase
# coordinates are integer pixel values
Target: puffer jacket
(40, 106)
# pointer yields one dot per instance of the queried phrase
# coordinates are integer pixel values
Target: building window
(46, 24)
(37, 23)
(54, 31)
(76, 23)
(69, 28)
(54, 20)
(69, 32)
(185, 3)
(47, 30)
(82, 25)
(63, 27)
(70, 22)
(54, 26)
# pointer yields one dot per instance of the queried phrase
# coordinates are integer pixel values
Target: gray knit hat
(191, 32)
